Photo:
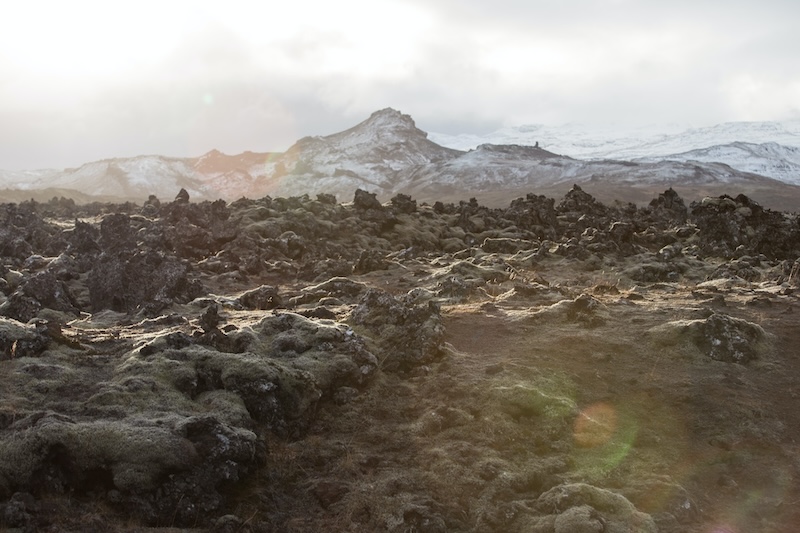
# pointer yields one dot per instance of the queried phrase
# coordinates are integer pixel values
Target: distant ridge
(781, 141)
(388, 154)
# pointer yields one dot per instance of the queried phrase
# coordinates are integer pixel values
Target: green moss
(137, 454)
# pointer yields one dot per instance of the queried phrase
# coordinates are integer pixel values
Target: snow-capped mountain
(608, 142)
(387, 154)
(731, 143)
(378, 154)
(134, 177)
(210, 176)
(505, 171)
(767, 159)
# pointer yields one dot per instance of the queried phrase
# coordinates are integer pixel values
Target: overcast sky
(81, 81)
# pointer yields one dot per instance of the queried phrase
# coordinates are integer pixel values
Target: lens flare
(604, 437)
(595, 425)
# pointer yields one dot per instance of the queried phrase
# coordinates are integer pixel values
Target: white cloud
(83, 80)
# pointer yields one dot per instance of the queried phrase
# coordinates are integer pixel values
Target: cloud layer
(83, 80)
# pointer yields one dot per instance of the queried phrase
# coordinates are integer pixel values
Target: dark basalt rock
(729, 339)
(534, 213)
(403, 203)
(210, 319)
(225, 456)
(410, 335)
(718, 336)
(670, 207)
(20, 340)
(369, 209)
(327, 199)
(144, 279)
(83, 241)
(363, 201)
(23, 233)
(370, 261)
(182, 197)
(725, 224)
(579, 201)
(263, 297)
(37, 292)
(151, 207)
(117, 234)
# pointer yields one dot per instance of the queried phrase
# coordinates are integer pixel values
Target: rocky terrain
(299, 364)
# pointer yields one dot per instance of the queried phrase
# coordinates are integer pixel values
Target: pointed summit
(386, 126)
(376, 153)
(392, 119)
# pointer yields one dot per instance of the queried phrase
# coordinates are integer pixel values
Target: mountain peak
(390, 113)
(389, 119)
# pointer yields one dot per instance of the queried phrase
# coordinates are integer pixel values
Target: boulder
(720, 337)
(583, 508)
(408, 335)
(263, 297)
(669, 207)
(39, 291)
(143, 279)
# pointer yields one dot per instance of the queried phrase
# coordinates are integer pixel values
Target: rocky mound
(297, 364)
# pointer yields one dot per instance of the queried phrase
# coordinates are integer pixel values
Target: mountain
(498, 174)
(378, 154)
(723, 143)
(768, 159)
(387, 154)
(210, 176)
(585, 141)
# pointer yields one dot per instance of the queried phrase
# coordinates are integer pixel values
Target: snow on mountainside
(769, 159)
(491, 168)
(387, 154)
(592, 142)
(210, 176)
(134, 177)
(785, 133)
(766, 148)
(575, 140)
(376, 154)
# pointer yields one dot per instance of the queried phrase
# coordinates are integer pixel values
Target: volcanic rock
(720, 337)
(142, 279)
(727, 223)
(587, 509)
(263, 297)
(409, 335)
(670, 207)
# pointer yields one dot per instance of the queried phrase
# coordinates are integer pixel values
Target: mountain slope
(210, 176)
(377, 154)
(607, 142)
(767, 159)
(387, 154)
(497, 174)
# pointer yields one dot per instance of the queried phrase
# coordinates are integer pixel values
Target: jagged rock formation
(184, 362)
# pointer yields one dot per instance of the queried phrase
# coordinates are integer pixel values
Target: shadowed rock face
(409, 334)
(740, 226)
(181, 362)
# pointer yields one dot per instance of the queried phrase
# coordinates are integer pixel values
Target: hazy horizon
(84, 81)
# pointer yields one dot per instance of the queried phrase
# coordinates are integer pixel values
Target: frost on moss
(720, 337)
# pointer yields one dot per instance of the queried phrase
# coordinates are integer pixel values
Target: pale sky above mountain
(84, 80)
